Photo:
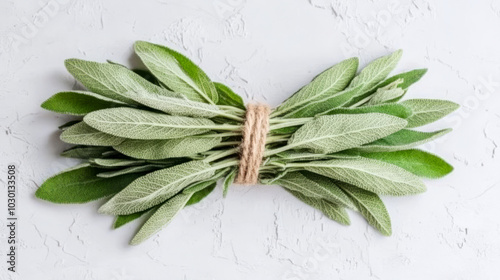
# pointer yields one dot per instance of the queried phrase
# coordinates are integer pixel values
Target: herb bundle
(160, 139)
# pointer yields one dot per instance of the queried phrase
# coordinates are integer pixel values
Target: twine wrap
(253, 143)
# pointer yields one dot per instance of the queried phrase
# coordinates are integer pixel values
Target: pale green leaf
(376, 71)
(128, 170)
(174, 105)
(384, 95)
(396, 110)
(329, 134)
(372, 175)
(82, 134)
(330, 210)
(115, 162)
(140, 124)
(169, 148)
(314, 186)
(177, 72)
(371, 207)
(426, 111)
(156, 187)
(161, 217)
(110, 80)
(331, 81)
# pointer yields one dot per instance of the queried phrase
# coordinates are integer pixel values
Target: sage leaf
(139, 124)
(156, 187)
(161, 217)
(376, 71)
(68, 124)
(174, 105)
(314, 186)
(228, 97)
(82, 134)
(115, 162)
(228, 181)
(202, 192)
(385, 95)
(110, 80)
(128, 170)
(329, 134)
(177, 72)
(330, 210)
(78, 103)
(324, 104)
(426, 111)
(409, 78)
(170, 148)
(331, 81)
(371, 207)
(85, 152)
(195, 198)
(81, 185)
(125, 219)
(402, 140)
(396, 110)
(418, 162)
(369, 174)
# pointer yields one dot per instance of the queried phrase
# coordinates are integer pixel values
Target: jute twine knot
(253, 143)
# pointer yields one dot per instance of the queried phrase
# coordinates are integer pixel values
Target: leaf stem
(220, 155)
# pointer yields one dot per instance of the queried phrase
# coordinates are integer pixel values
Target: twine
(253, 143)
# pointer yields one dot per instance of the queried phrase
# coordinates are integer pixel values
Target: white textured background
(265, 50)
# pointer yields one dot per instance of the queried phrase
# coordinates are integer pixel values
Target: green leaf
(418, 162)
(161, 217)
(426, 111)
(298, 155)
(324, 104)
(402, 140)
(372, 175)
(170, 148)
(330, 82)
(228, 181)
(385, 95)
(376, 71)
(330, 210)
(78, 103)
(139, 124)
(82, 134)
(202, 190)
(228, 97)
(68, 124)
(174, 105)
(396, 110)
(125, 219)
(156, 187)
(177, 72)
(314, 186)
(115, 162)
(329, 134)
(110, 80)
(409, 78)
(85, 152)
(128, 170)
(371, 207)
(80, 185)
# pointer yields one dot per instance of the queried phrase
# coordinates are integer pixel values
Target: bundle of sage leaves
(156, 140)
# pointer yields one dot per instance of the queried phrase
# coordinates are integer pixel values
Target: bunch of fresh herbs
(155, 141)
